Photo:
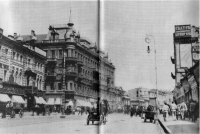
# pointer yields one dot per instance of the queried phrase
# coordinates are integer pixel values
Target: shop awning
(58, 101)
(4, 98)
(50, 101)
(37, 100)
(78, 103)
(42, 100)
(18, 99)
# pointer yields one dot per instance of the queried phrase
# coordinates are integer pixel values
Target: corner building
(77, 73)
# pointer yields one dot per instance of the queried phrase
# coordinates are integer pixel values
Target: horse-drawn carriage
(99, 114)
(11, 107)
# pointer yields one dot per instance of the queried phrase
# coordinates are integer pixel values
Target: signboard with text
(182, 31)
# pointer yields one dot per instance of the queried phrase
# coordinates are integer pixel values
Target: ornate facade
(21, 67)
(77, 72)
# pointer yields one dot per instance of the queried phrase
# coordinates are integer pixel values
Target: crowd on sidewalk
(181, 111)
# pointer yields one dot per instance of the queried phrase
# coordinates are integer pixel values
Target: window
(60, 54)
(13, 56)
(52, 86)
(59, 86)
(21, 58)
(6, 51)
(71, 86)
(69, 53)
(53, 54)
(17, 56)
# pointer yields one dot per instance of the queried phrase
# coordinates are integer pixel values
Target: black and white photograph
(99, 66)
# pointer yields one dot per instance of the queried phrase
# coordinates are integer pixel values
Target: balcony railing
(80, 62)
(72, 73)
(52, 59)
(55, 41)
(51, 74)
(71, 59)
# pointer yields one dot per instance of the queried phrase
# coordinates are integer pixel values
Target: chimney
(15, 35)
(1, 33)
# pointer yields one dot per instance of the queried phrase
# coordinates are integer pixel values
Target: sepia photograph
(99, 67)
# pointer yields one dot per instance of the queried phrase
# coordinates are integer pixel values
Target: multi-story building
(186, 60)
(77, 72)
(21, 68)
(139, 96)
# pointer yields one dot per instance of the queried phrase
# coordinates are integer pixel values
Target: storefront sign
(182, 28)
(195, 51)
(177, 56)
(12, 90)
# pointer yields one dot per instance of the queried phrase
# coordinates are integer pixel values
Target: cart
(150, 112)
(94, 116)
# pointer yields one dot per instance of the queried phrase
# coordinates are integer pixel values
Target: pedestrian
(165, 110)
(173, 109)
(183, 109)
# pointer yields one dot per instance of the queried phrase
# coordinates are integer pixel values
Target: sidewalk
(179, 126)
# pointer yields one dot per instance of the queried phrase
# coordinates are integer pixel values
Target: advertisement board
(195, 51)
(177, 56)
(182, 31)
(185, 55)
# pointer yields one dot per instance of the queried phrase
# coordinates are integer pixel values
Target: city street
(117, 123)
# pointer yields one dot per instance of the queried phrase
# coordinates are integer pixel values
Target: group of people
(136, 110)
(190, 111)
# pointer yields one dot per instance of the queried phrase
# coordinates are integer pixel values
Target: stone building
(21, 68)
(77, 72)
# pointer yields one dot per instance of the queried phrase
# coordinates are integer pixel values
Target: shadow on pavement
(184, 129)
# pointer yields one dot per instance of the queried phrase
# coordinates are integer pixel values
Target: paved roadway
(76, 124)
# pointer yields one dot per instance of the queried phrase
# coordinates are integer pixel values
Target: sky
(124, 25)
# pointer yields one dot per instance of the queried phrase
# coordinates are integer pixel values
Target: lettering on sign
(12, 90)
(182, 28)
(195, 56)
(183, 34)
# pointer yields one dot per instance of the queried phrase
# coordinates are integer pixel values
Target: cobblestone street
(117, 123)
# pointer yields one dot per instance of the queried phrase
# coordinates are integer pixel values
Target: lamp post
(148, 40)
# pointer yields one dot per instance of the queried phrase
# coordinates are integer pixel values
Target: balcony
(70, 59)
(51, 61)
(80, 76)
(109, 76)
(80, 63)
(72, 73)
(51, 74)
(53, 41)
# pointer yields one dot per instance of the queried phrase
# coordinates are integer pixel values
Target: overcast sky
(124, 26)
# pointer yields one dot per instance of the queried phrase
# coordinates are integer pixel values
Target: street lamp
(148, 40)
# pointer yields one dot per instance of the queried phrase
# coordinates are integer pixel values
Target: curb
(165, 128)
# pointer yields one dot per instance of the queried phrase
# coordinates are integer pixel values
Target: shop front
(12, 92)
